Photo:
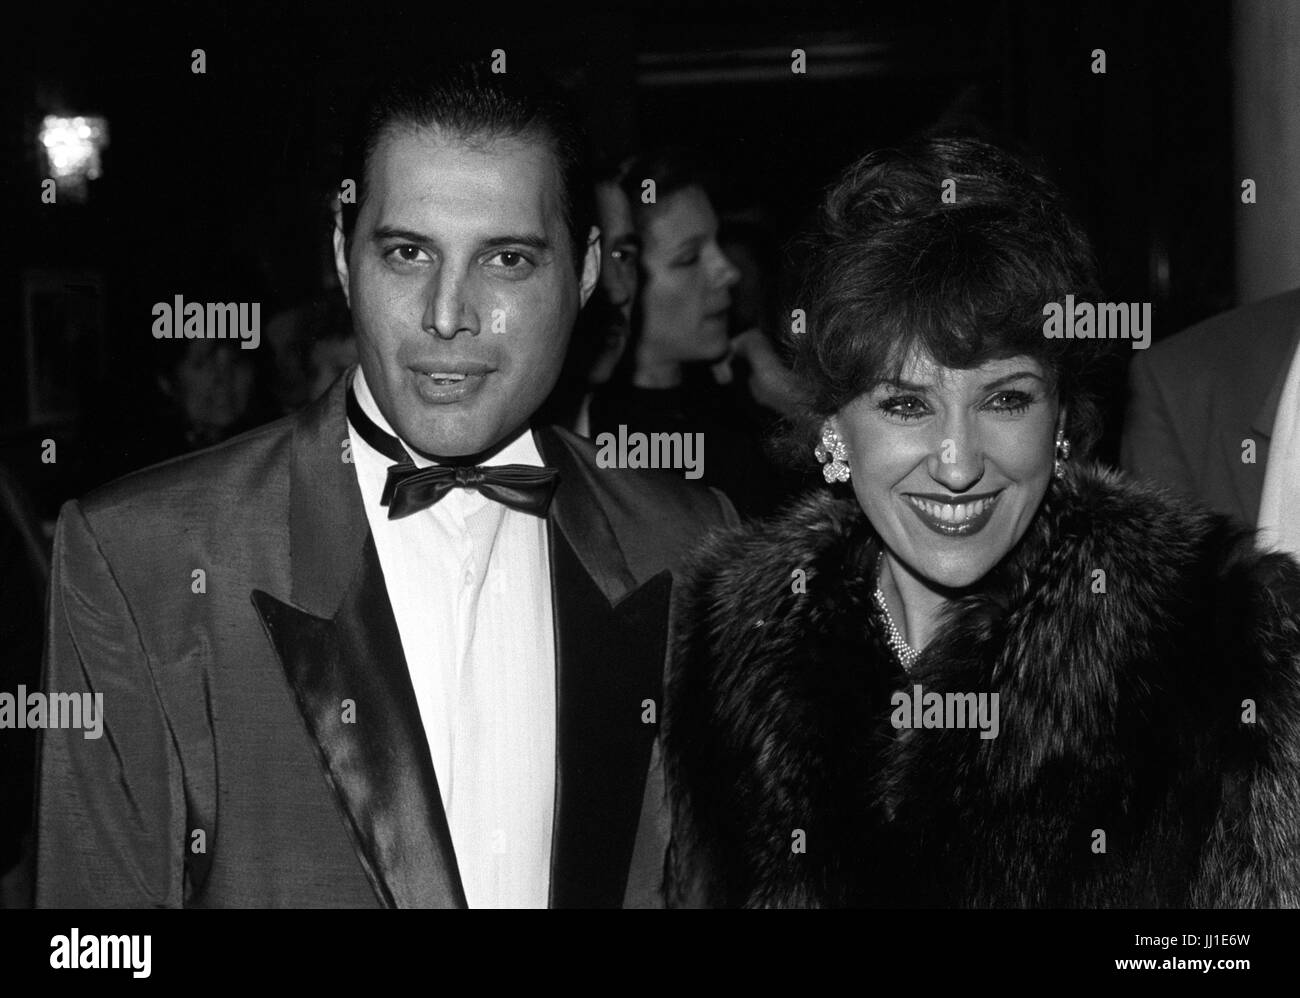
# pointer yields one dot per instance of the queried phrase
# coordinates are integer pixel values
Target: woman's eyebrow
(904, 386)
(1006, 378)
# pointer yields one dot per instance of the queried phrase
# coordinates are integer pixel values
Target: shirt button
(468, 578)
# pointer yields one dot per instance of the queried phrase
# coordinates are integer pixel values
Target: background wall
(215, 185)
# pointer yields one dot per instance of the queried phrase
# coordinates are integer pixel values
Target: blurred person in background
(663, 382)
(312, 344)
(605, 323)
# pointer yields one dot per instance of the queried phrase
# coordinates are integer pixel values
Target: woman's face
(685, 296)
(212, 384)
(951, 464)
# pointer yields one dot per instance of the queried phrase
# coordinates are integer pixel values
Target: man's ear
(341, 253)
(591, 264)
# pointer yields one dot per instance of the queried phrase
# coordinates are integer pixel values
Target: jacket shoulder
(1229, 341)
(655, 488)
(657, 516)
(212, 484)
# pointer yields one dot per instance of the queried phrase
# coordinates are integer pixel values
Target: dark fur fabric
(1119, 711)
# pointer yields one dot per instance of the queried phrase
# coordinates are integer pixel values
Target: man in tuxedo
(400, 649)
(1204, 407)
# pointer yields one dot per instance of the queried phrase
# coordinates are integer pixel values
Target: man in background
(1214, 413)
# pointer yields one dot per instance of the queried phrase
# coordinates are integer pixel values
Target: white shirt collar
(521, 450)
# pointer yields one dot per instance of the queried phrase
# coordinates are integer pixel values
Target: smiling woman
(976, 554)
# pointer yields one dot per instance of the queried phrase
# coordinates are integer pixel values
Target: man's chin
(459, 435)
(453, 445)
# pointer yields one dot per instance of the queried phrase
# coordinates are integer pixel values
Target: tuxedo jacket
(1196, 398)
(229, 602)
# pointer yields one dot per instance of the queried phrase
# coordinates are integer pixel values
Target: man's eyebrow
(393, 232)
(1011, 377)
(527, 239)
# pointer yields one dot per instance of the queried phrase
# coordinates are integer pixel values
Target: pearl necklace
(907, 655)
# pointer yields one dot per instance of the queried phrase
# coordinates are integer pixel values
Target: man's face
(461, 283)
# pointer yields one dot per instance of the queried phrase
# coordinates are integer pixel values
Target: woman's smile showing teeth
(954, 516)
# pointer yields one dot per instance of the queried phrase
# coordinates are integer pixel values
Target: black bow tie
(410, 489)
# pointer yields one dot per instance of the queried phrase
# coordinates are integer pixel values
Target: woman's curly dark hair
(894, 271)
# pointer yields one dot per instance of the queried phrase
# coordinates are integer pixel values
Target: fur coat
(1148, 750)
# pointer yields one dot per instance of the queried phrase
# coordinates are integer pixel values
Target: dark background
(216, 185)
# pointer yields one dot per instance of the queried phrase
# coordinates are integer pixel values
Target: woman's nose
(725, 272)
(956, 459)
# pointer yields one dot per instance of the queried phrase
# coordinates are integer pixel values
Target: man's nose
(449, 308)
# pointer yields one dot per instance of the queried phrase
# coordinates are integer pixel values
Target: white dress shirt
(469, 583)
(1278, 525)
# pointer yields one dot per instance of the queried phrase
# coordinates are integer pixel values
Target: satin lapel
(611, 639)
(338, 641)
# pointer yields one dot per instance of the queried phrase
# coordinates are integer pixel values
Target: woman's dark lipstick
(953, 516)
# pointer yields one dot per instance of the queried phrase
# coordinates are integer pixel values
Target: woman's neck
(655, 372)
(914, 606)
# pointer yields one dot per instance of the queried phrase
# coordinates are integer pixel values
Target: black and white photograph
(837, 454)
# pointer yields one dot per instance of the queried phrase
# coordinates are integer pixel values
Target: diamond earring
(1062, 454)
(833, 450)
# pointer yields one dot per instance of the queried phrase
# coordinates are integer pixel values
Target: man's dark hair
(894, 270)
(468, 101)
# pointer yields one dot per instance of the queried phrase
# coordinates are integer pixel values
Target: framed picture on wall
(63, 333)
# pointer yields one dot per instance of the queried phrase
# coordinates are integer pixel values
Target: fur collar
(1120, 714)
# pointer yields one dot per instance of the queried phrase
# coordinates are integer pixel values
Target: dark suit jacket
(1195, 397)
(226, 775)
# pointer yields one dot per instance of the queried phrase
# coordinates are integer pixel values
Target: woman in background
(663, 383)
